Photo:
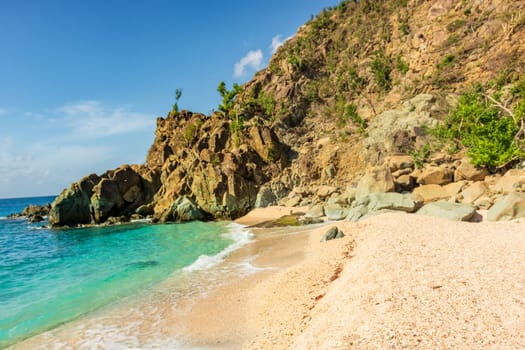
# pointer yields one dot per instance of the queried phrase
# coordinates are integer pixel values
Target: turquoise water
(48, 277)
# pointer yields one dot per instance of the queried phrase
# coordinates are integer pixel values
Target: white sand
(406, 282)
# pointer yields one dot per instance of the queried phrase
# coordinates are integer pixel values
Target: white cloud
(46, 169)
(61, 145)
(277, 41)
(91, 119)
(252, 60)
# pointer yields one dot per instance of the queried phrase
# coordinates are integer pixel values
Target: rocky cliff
(357, 84)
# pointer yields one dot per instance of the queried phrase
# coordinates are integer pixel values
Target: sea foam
(236, 232)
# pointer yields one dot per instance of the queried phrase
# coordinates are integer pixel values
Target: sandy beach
(396, 281)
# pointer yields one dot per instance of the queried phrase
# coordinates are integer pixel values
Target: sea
(87, 277)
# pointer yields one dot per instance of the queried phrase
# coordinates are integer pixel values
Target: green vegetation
(178, 95)
(346, 111)
(192, 130)
(447, 61)
(491, 133)
(228, 98)
(401, 65)
(382, 68)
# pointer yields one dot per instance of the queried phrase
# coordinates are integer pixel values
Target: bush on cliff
(491, 132)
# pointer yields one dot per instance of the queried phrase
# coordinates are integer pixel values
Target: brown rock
(399, 162)
(435, 176)
(376, 179)
(431, 193)
(325, 191)
(473, 192)
(467, 171)
(510, 182)
(454, 188)
(509, 207)
(405, 183)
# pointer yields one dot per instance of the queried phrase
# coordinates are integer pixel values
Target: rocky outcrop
(198, 167)
(337, 115)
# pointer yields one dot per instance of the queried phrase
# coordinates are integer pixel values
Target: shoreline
(394, 281)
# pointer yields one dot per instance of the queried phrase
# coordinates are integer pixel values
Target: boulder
(435, 175)
(336, 212)
(512, 181)
(72, 206)
(509, 207)
(106, 200)
(376, 179)
(399, 162)
(397, 131)
(332, 233)
(316, 211)
(473, 192)
(36, 210)
(265, 198)
(35, 218)
(325, 191)
(466, 171)
(357, 212)
(293, 201)
(448, 210)
(405, 183)
(431, 193)
(454, 188)
(408, 203)
(483, 202)
(182, 209)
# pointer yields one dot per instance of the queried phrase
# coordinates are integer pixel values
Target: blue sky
(82, 82)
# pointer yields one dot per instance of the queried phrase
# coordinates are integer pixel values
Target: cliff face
(356, 84)
(198, 167)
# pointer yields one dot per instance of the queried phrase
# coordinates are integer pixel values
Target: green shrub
(487, 131)
(228, 97)
(178, 95)
(401, 65)
(447, 61)
(382, 68)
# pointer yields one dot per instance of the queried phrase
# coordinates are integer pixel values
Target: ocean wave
(3, 217)
(240, 236)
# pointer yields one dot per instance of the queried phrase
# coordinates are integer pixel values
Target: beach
(395, 281)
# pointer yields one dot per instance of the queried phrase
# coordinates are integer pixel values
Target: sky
(82, 82)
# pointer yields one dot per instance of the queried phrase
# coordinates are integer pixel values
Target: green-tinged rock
(265, 197)
(316, 211)
(448, 210)
(509, 207)
(182, 209)
(376, 179)
(336, 212)
(332, 233)
(394, 201)
(72, 207)
(356, 213)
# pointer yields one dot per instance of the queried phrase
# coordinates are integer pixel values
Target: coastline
(394, 281)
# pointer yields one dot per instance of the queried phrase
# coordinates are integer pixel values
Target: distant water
(48, 277)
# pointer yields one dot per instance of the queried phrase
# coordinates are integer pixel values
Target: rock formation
(340, 114)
